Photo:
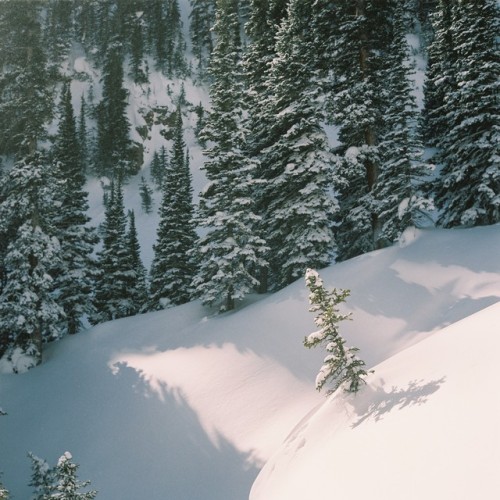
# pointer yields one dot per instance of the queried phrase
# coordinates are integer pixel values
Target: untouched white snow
(426, 426)
(189, 405)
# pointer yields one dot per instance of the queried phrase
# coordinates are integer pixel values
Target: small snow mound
(82, 66)
(16, 361)
(408, 236)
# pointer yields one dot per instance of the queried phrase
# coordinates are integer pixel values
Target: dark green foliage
(42, 477)
(462, 113)
(230, 251)
(73, 281)
(159, 165)
(297, 169)
(113, 141)
(138, 286)
(116, 277)
(397, 192)
(58, 482)
(29, 315)
(341, 365)
(25, 95)
(202, 19)
(146, 196)
(173, 267)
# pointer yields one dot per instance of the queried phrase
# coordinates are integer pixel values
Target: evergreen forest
(330, 127)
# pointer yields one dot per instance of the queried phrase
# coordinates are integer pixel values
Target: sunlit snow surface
(187, 404)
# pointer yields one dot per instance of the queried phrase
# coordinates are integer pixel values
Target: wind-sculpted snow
(188, 404)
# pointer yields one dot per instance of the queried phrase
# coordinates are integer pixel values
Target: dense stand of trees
(282, 75)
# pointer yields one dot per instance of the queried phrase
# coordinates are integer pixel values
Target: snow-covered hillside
(190, 405)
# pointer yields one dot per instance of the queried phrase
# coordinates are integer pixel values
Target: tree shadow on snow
(381, 402)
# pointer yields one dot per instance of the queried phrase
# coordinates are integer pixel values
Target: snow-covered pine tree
(135, 25)
(26, 101)
(138, 286)
(113, 157)
(82, 132)
(74, 279)
(173, 266)
(261, 28)
(42, 478)
(158, 167)
(296, 193)
(4, 492)
(230, 251)
(440, 75)
(29, 315)
(397, 192)
(66, 483)
(113, 297)
(468, 187)
(342, 364)
(176, 46)
(202, 19)
(357, 54)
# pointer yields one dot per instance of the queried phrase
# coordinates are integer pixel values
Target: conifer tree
(298, 169)
(146, 196)
(4, 492)
(468, 188)
(113, 298)
(42, 477)
(440, 75)
(202, 19)
(341, 365)
(66, 483)
(159, 165)
(357, 51)
(398, 191)
(73, 281)
(25, 92)
(172, 269)
(82, 132)
(113, 141)
(230, 251)
(29, 315)
(138, 286)
(136, 26)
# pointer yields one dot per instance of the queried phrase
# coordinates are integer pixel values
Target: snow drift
(190, 405)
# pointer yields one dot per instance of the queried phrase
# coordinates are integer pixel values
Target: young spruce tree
(173, 268)
(341, 365)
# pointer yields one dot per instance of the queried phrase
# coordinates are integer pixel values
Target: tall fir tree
(398, 196)
(29, 313)
(440, 75)
(74, 279)
(138, 285)
(42, 477)
(467, 191)
(357, 52)
(202, 19)
(229, 252)
(25, 92)
(113, 141)
(296, 195)
(158, 167)
(173, 267)
(113, 293)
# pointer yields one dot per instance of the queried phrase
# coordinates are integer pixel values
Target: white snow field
(186, 404)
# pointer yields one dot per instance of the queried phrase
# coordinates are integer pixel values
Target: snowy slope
(189, 405)
(426, 426)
